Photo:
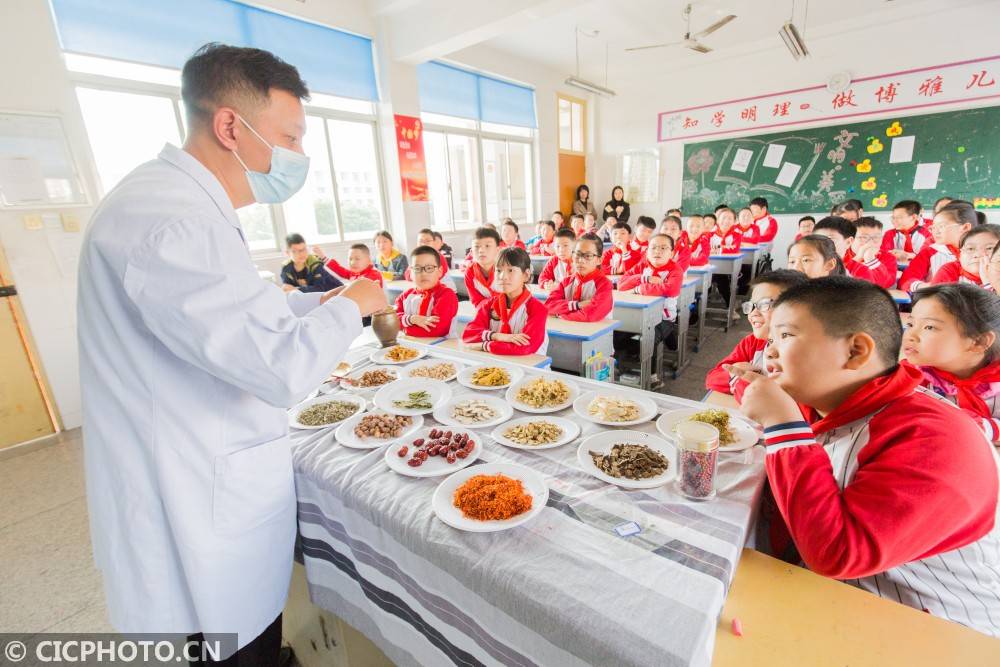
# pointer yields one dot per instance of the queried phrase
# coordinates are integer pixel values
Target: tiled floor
(48, 580)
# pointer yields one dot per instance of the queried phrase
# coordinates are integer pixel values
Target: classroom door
(572, 154)
(25, 411)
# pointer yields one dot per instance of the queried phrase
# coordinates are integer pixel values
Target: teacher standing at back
(188, 361)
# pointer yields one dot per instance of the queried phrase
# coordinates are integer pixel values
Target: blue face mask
(287, 175)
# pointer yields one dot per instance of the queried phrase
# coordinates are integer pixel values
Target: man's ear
(225, 127)
(861, 349)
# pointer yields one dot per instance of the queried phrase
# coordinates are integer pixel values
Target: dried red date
(403, 451)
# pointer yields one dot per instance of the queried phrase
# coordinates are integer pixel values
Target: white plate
(434, 466)
(345, 432)
(433, 362)
(293, 413)
(602, 443)
(444, 505)
(746, 435)
(647, 407)
(502, 407)
(378, 356)
(465, 377)
(398, 391)
(570, 430)
(523, 407)
(357, 375)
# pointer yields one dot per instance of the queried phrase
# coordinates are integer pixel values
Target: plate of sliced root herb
(474, 411)
(539, 432)
(629, 459)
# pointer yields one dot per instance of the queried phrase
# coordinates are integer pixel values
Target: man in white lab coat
(188, 361)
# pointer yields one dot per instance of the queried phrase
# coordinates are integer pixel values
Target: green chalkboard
(811, 170)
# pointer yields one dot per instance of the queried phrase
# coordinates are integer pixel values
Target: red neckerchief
(637, 245)
(425, 301)
(766, 216)
(953, 250)
(745, 230)
(505, 313)
(971, 277)
(480, 276)
(967, 396)
(683, 240)
(868, 399)
(667, 266)
(908, 241)
(360, 274)
(580, 281)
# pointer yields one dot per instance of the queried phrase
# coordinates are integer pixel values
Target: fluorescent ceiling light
(793, 40)
(588, 86)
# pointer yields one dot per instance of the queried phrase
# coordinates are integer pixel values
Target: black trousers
(263, 651)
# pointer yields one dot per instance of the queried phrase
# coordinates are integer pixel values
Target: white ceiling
(549, 40)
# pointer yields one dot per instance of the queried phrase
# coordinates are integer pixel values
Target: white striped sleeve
(789, 434)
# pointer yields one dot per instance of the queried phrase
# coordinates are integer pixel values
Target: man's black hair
(483, 233)
(294, 239)
(426, 250)
(758, 201)
(646, 221)
(842, 226)
(566, 233)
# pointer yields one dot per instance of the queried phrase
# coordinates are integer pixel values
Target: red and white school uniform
(637, 281)
(750, 234)
(895, 492)
(543, 247)
(977, 395)
(922, 268)
(726, 243)
(682, 252)
(480, 284)
(749, 350)
(526, 315)
(341, 271)
(768, 228)
(635, 245)
(701, 248)
(616, 261)
(564, 299)
(912, 240)
(881, 270)
(439, 300)
(518, 243)
(952, 272)
(555, 269)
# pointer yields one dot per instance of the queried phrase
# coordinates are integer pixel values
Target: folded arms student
(428, 308)
(480, 275)
(951, 221)
(512, 321)
(586, 294)
(883, 484)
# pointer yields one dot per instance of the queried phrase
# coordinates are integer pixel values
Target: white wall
(628, 121)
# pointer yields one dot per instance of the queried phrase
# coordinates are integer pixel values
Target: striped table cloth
(564, 589)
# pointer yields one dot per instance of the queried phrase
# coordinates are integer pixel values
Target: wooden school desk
(636, 314)
(570, 343)
(530, 360)
(705, 272)
(727, 264)
(793, 617)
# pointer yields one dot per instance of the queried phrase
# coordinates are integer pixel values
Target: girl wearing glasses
(586, 295)
(951, 222)
(974, 252)
(749, 352)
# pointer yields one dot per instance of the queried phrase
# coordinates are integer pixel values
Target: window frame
(479, 135)
(583, 124)
(136, 87)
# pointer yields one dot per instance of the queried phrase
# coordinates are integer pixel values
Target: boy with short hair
(443, 248)
(479, 275)
(806, 225)
(645, 227)
(748, 228)
(908, 236)
(727, 239)
(589, 224)
(561, 265)
(359, 264)
(766, 224)
(427, 309)
(620, 257)
(303, 271)
(509, 237)
(543, 246)
(882, 484)
(576, 224)
(657, 274)
(558, 219)
(586, 294)
(863, 257)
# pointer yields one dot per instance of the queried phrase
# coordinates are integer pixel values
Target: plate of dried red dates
(434, 451)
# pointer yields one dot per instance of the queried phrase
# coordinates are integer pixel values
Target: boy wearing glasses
(749, 352)
(586, 295)
(427, 309)
(908, 236)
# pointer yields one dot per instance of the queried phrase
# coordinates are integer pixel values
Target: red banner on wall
(412, 167)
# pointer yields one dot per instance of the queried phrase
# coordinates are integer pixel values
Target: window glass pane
(258, 226)
(577, 127)
(521, 183)
(511, 130)
(495, 179)
(312, 212)
(341, 103)
(121, 69)
(358, 185)
(565, 130)
(125, 130)
(436, 156)
(463, 166)
(449, 121)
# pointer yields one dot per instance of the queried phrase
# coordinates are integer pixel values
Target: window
(571, 124)
(506, 167)
(129, 121)
(453, 179)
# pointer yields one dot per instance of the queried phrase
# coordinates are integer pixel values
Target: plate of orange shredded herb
(490, 497)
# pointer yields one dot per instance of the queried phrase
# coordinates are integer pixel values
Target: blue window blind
(456, 92)
(167, 33)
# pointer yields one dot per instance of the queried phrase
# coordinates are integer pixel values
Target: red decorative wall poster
(412, 166)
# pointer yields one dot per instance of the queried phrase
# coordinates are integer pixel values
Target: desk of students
(791, 616)
(684, 300)
(900, 296)
(705, 273)
(570, 343)
(533, 360)
(752, 252)
(727, 265)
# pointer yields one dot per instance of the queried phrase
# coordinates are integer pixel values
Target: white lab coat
(188, 361)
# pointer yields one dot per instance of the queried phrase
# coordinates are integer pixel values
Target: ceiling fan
(690, 41)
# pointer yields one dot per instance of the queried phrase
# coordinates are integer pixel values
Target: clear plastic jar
(698, 454)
